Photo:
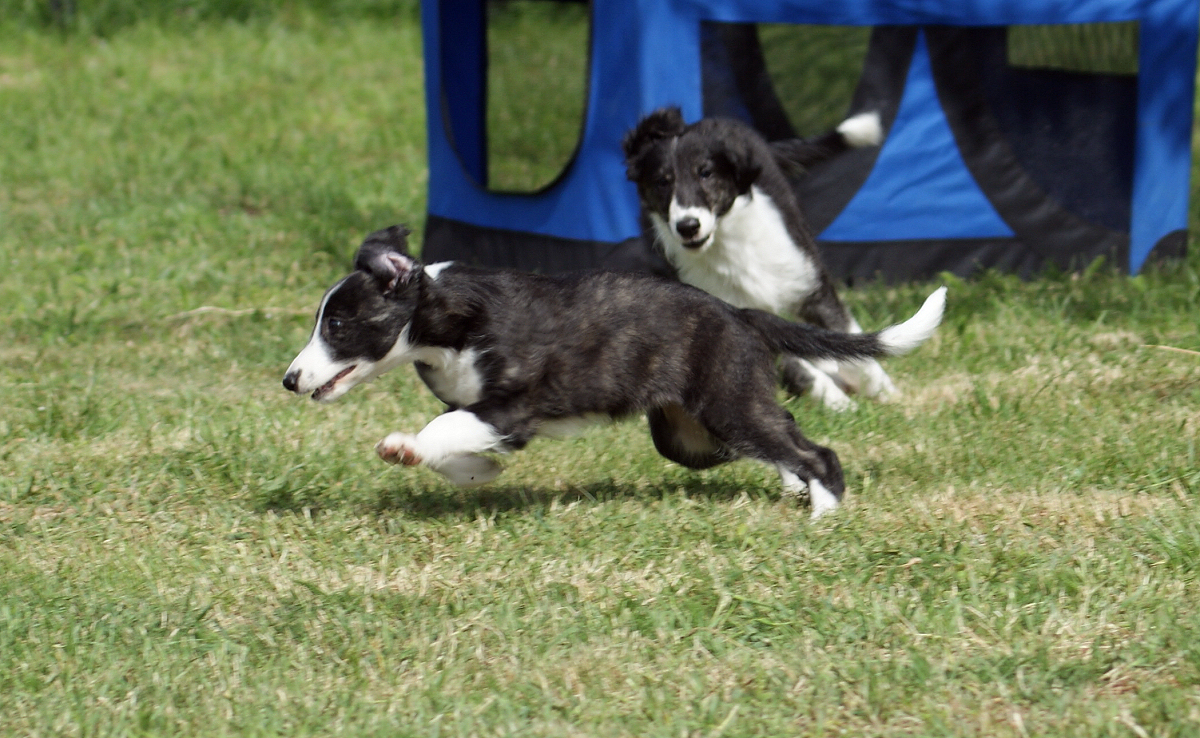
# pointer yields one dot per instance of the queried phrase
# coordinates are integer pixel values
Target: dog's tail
(809, 342)
(856, 132)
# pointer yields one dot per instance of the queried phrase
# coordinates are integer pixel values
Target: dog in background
(721, 210)
(516, 355)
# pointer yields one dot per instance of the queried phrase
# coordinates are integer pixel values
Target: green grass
(186, 550)
(537, 61)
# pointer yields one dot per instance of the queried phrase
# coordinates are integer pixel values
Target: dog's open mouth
(328, 386)
(696, 243)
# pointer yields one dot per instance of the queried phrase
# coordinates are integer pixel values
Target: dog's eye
(334, 324)
(705, 171)
(663, 181)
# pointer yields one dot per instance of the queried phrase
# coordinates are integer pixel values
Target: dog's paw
(822, 500)
(829, 392)
(398, 448)
(873, 381)
(837, 401)
(470, 470)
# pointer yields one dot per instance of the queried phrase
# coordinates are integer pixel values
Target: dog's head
(360, 330)
(689, 176)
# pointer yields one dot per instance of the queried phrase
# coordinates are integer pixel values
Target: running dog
(721, 210)
(516, 355)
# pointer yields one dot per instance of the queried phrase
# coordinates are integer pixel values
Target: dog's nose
(290, 380)
(688, 227)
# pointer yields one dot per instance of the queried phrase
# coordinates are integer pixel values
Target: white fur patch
(471, 470)
(704, 216)
(864, 129)
(821, 499)
(434, 270)
(826, 390)
(451, 375)
(751, 260)
(449, 436)
(916, 330)
(313, 367)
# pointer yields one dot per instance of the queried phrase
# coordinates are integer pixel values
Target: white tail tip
(864, 129)
(906, 336)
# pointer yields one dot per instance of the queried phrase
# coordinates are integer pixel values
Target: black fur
(615, 344)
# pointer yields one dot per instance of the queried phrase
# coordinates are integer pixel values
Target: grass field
(186, 550)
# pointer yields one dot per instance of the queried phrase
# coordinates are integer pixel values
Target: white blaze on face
(314, 367)
(706, 218)
(316, 372)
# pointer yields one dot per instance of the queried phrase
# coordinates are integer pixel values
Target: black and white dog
(516, 355)
(721, 210)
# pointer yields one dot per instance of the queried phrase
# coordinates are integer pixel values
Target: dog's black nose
(687, 227)
(289, 381)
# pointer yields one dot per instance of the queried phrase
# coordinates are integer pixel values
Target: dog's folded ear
(739, 161)
(384, 255)
(662, 123)
(394, 238)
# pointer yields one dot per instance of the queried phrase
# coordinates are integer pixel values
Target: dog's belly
(752, 261)
(566, 427)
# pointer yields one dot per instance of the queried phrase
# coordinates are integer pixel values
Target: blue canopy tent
(986, 162)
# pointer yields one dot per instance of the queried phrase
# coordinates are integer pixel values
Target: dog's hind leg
(865, 376)
(799, 376)
(682, 439)
(770, 435)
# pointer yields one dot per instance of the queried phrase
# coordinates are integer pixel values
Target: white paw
(470, 470)
(876, 383)
(821, 499)
(827, 391)
(399, 448)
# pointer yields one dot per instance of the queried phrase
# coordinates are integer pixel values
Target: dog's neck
(445, 312)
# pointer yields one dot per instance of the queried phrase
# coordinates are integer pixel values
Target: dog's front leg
(450, 445)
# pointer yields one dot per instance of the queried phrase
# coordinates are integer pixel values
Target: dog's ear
(662, 123)
(384, 255)
(394, 238)
(740, 161)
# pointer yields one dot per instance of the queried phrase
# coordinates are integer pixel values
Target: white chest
(451, 375)
(752, 261)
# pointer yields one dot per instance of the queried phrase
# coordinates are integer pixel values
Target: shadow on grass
(435, 502)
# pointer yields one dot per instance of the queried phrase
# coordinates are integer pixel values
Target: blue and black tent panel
(989, 160)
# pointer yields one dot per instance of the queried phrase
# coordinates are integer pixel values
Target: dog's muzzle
(687, 228)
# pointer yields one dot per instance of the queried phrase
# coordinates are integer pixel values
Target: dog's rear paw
(470, 470)
(822, 500)
(835, 399)
(398, 448)
(869, 379)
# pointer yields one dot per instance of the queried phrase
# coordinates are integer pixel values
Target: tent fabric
(918, 164)
(985, 165)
